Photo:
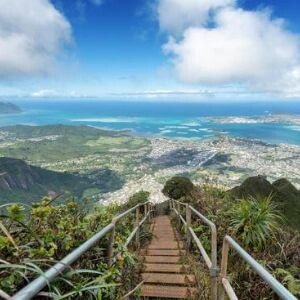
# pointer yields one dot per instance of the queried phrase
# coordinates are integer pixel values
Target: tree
(178, 187)
(137, 198)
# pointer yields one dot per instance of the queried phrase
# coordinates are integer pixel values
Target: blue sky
(174, 49)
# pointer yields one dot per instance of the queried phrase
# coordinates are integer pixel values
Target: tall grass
(254, 221)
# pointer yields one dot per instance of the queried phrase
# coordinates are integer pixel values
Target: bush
(254, 221)
(34, 238)
(178, 187)
(137, 198)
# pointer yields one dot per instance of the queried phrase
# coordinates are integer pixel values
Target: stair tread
(162, 259)
(165, 245)
(168, 268)
(163, 291)
(168, 278)
(165, 252)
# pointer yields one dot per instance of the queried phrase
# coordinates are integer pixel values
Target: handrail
(42, 281)
(228, 242)
(211, 262)
(276, 286)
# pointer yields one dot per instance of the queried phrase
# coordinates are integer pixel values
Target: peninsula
(9, 108)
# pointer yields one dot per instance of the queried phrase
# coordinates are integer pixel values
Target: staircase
(164, 273)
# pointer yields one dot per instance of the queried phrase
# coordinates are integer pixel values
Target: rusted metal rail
(33, 288)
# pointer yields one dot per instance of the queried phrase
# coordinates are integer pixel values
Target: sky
(150, 49)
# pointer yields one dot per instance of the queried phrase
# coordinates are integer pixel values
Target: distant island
(9, 108)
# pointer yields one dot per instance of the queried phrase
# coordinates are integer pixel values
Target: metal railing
(33, 288)
(211, 261)
(276, 286)
(219, 280)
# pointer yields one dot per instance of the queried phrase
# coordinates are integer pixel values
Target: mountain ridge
(9, 108)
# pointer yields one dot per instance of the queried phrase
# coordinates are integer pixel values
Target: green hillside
(282, 191)
(20, 181)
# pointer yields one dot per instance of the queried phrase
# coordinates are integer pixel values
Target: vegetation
(54, 143)
(139, 197)
(256, 222)
(284, 194)
(32, 238)
(178, 187)
(22, 182)
(88, 157)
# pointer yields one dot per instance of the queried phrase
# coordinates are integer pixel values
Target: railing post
(188, 214)
(179, 212)
(149, 210)
(111, 242)
(178, 216)
(214, 271)
(137, 222)
(145, 209)
(172, 208)
(223, 273)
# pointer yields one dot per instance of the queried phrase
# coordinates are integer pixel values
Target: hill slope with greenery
(284, 194)
(20, 181)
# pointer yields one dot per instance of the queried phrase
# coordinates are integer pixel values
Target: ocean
(168, 119)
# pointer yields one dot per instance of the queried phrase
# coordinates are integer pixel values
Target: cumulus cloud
(176, 15)
(32, 35)
(251, 48)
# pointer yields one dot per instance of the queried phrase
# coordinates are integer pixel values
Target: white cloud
(32, 35)
(244, 47)
(44, 93)
(177, 15)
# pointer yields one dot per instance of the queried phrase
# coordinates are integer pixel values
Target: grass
(111, 143)
(254, 221)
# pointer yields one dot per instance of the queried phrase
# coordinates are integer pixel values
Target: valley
(114, 164)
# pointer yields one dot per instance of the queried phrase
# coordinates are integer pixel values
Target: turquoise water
(178, 120)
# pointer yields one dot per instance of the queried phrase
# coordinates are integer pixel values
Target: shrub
(34, 238)
(178, 187)
(137, 198)
(255, 222)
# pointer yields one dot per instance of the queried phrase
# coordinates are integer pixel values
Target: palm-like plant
(255, 221)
